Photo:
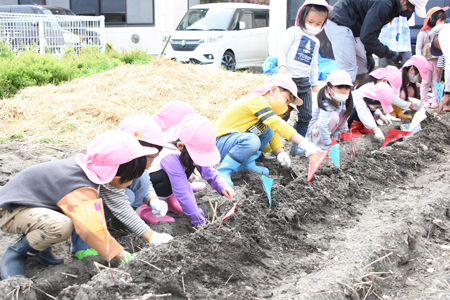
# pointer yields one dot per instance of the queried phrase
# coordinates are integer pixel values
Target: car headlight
(165, 38)
(213, 39)
(71, 38)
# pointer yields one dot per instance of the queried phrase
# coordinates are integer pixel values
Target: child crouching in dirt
(334, 107)
(245, 128)
(118, 202)
(392, 76)
(30, 202)
(171, 114)
(194, 137)
(413, 71)
(367, 104)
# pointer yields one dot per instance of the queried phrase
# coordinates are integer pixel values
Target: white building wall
(167, 16)
(278, 15)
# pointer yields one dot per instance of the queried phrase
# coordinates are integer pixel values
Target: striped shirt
(118, 204)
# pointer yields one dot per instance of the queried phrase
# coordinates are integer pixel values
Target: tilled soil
(376, 228)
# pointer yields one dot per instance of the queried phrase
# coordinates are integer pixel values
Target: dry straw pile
(75, 112)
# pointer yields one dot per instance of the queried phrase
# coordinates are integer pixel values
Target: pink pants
(432, 75)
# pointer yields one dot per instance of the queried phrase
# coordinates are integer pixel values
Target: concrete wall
(278, 15)
(167, 16)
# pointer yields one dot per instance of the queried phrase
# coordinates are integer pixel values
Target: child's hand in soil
(229, 193)
(157, 239)
(284, 159)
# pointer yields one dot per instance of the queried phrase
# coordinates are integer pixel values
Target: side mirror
(241, 25)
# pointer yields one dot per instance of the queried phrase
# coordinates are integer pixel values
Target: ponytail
(186, 160)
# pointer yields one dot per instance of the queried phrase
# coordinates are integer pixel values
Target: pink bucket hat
(282, 80)
(145, 129)
(420, 63)
(198, 135)
(392, 74)
(309, 2)
(171, 114)
(339, 77)
(381, 92)
(107, 151)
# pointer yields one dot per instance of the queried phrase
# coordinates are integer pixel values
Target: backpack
(426, 49)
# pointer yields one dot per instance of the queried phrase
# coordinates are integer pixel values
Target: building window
(117, 12)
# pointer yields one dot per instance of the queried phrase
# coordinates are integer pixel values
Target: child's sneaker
(434, 105)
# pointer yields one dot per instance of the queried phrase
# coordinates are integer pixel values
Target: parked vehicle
(234, 35)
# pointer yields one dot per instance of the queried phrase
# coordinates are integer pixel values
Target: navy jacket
(365, 18)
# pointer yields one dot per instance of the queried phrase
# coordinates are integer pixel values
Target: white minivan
(234, 35)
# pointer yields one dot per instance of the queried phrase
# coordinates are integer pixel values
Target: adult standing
(354, 27)
(440, 45)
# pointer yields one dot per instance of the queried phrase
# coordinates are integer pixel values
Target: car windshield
(207, 19)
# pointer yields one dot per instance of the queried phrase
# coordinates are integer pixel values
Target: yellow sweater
(253, 114)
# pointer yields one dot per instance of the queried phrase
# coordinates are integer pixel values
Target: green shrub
(30, 68)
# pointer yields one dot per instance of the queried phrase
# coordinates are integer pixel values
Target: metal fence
(51, 33)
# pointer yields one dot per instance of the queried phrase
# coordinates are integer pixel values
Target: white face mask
(413, 78)
(339, 97)
(312, 30)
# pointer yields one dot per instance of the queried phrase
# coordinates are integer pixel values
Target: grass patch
(30, 68)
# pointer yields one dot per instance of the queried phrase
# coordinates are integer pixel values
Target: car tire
(228, 61)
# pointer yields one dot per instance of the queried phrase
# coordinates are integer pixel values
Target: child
(393, 77)
(30, 202)
(334, 107)
(194, 137)
(119, 202)
(435, 16)
(171, 114)
(297, 57)
(367, 103)
(245, 128)
(412, 72)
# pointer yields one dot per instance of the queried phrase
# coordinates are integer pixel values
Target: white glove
(159, 238)
(159, 207)
(284, 159)
(416, 107)
(379, 135)
(385, 119)
(194, 178)
(309, 148)
(392, 118)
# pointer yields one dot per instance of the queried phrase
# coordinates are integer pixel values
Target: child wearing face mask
(248, 125)
(413, 71)
(297, 56)
(435, 16)
(334, 107)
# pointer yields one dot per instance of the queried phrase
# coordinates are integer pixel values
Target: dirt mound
(314, 243)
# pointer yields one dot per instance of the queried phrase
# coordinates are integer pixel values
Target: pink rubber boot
(146, 214)
(173, 205)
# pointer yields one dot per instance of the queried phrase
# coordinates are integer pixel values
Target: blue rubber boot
(250, 165)
(14, 259)
(227, 168)
(46, 257)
